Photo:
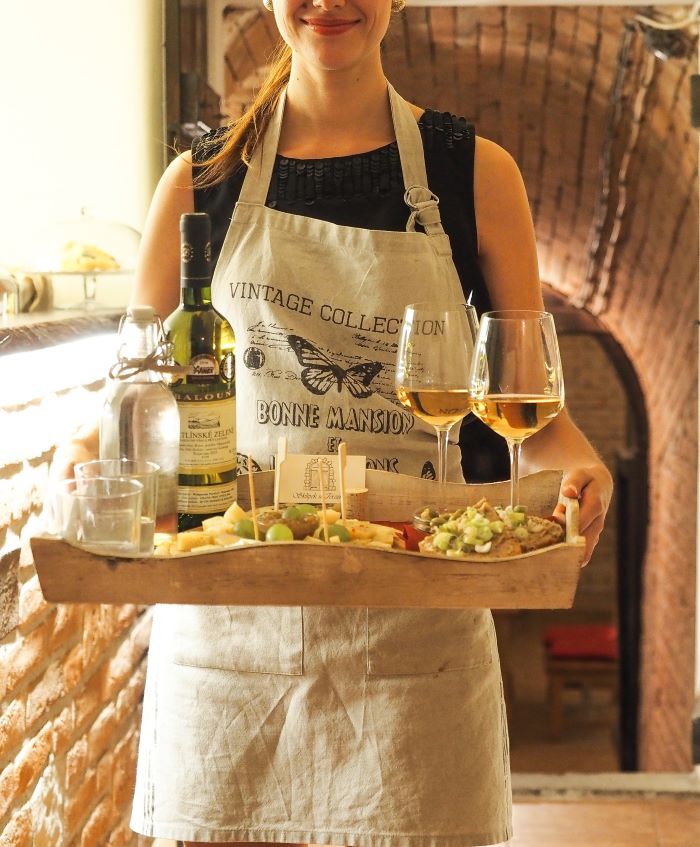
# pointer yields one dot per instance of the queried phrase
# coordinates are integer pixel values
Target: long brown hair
(242, 136)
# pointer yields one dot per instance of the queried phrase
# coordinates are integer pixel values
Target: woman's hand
(592, 486)
(83, 447)
(67, 456)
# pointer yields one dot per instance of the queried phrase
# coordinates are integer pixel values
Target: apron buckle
(424, 206)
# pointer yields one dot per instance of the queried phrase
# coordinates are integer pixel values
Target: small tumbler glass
(100, 513)
(140, 469)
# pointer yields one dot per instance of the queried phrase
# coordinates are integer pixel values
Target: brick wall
(71, 676)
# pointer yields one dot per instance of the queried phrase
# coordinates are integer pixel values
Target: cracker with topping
(485, 531)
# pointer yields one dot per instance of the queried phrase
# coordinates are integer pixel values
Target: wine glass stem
(442, 435)
(514, 453)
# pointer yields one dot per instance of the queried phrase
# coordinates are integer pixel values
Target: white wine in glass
(439, 407)
(517, 386)
(432, 367)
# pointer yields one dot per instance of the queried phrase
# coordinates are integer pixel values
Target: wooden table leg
(556, 705)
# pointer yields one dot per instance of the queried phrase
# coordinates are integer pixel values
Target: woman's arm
(158, 263)
(508, 259)
(507, 250)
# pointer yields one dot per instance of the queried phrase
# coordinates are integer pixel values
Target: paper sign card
(298, 477)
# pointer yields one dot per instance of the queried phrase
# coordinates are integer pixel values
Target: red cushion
(582, 641)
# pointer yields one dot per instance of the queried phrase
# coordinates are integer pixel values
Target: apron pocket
(250, 639)
(404, 642)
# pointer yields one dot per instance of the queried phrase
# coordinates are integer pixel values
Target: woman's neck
(335, 113)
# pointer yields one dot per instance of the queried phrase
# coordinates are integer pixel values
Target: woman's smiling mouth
(329, 26)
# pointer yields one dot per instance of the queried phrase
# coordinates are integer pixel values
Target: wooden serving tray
(298, 574)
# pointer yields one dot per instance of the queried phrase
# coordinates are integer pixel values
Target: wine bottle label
(203, 368)
(207, 435)
(227, 367)
(205, 500)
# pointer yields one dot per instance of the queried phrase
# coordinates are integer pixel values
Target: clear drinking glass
(100, 513)
(432, 367)
(516, 383)
(147, 473)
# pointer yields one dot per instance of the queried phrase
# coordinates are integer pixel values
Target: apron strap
(418, 197)
(409, 141)
(256, 182)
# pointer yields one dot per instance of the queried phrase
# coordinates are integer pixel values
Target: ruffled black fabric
(367, 176)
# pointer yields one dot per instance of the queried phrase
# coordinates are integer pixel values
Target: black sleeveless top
(366, 189)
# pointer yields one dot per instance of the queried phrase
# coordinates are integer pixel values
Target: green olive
(334, 530)
(244, 528)
(305, 509)
(292, 513)
(279, 532)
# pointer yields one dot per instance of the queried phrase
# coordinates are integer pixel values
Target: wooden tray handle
(572, 520)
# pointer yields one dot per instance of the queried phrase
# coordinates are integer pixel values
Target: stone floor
(587, 744)
(608, 823)
(599, 822)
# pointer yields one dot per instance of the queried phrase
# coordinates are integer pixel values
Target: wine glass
(517, 386)
(432, 367)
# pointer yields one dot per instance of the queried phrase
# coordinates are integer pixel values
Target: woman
(338, 726)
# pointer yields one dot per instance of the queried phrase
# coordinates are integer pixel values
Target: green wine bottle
(204, 343)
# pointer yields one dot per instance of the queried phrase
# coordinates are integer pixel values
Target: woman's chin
(335, 61)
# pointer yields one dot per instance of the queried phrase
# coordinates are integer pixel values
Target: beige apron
(326, 725)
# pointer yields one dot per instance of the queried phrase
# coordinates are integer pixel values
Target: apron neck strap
(408, 138)
(418, 197)
(259, 173)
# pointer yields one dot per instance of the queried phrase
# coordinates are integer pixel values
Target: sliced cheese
(234, 513)
(191, 538)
